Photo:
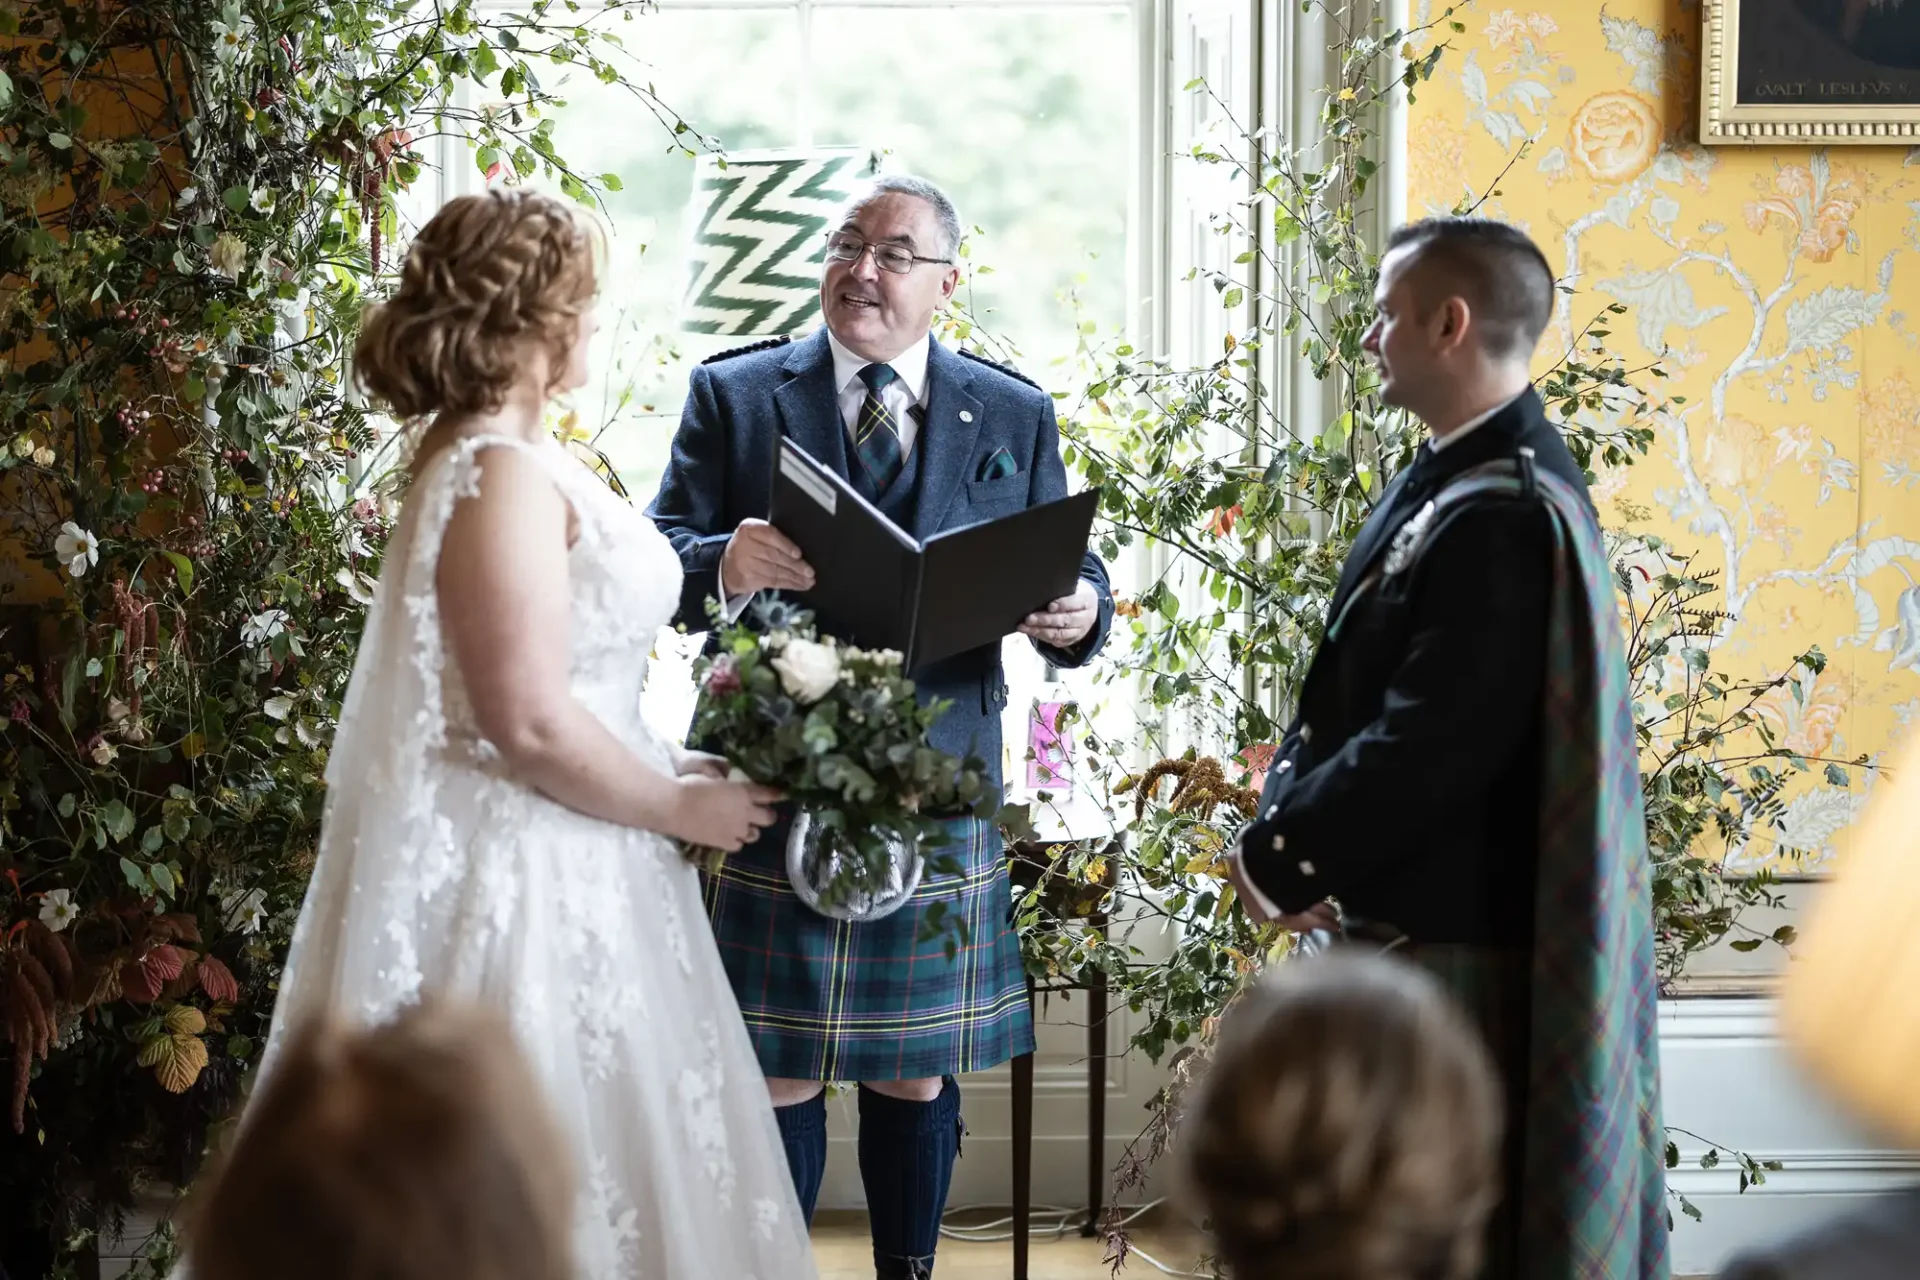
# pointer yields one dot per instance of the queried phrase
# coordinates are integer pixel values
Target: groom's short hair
(1494, 266)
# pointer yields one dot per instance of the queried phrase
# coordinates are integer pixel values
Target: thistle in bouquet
(840, 732)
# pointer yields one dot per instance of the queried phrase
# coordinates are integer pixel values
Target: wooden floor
(844, 1252)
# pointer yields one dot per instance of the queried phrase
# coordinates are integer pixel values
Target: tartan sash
(1594, 1206)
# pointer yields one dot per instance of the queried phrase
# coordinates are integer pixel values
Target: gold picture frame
(1800, 69)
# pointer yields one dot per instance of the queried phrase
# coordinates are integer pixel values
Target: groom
(936, 440)
(1463, 769)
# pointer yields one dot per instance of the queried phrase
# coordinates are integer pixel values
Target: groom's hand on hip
(1066, 621)
(760, 558)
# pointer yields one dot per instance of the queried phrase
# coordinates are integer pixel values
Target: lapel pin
(966, 415)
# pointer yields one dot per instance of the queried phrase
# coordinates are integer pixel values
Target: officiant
(936, 439)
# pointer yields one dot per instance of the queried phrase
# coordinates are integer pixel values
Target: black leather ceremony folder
(877, 588)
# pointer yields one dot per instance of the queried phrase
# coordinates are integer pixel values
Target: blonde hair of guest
(1347, 1128)
(420, 1149)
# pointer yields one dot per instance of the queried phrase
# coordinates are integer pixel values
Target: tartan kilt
(829, 1000)
(1494, 987)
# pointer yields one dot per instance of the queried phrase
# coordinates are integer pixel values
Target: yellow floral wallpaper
(1781, 284)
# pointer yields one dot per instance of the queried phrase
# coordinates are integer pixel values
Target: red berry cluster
(162, 344)
(198, 545)
(156, 481)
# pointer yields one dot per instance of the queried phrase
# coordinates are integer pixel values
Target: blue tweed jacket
(721, 472)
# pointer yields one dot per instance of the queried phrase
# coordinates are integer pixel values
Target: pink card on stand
(1048, 764)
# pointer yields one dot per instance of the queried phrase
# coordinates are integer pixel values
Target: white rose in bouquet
(808, 670)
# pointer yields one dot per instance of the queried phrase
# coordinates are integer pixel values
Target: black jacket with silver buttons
(1408, 786)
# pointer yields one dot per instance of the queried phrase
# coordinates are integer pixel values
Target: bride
(500, 821)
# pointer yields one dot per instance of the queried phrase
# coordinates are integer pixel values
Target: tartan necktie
(876, 436)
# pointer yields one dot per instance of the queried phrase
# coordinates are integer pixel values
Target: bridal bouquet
(840, 732)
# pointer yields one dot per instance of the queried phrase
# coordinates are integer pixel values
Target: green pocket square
(999, 465)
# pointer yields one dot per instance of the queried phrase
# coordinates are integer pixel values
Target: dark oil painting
(1828, 53)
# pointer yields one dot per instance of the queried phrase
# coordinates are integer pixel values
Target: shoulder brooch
(1406, 539)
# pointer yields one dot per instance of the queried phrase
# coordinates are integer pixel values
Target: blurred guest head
(416, 1149)
(1460, 306)
(890, 265)
(1347, 1128)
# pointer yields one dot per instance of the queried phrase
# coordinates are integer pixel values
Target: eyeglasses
(845, 247)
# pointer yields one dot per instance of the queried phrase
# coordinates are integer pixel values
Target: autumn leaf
(1220, 523)
(155, 1049)
(1127, 608)
(181, 925)
(144, 979)
(218, 981)
(1200, 864)
(185, 1020)
(177, 1060)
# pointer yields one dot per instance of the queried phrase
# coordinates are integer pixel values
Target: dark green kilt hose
(1494, 987)
(828, 1000)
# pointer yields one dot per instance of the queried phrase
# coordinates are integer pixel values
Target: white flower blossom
(261, 628)
(808, 670)
(228, 255)
(76, 548)
(261, 200)
(247, 911)
(186, 197)
(233, 32)
(57, 910)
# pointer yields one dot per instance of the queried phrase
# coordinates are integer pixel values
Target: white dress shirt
(1437, 443)
(908, 390)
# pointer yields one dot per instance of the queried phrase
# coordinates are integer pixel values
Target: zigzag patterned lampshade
(753, 261)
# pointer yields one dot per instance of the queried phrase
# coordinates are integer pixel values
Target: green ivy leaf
(611, 181)
(182, 569)
(118, 819)
(59, 141)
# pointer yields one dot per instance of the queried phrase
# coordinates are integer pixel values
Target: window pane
(1028, 127)
(732, 74)
(1035, 150)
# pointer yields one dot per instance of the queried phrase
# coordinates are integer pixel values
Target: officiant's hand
(1066, 621)
(759, 557)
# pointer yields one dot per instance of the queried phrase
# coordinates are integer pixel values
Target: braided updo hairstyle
(485, 278)
(1347, 1128)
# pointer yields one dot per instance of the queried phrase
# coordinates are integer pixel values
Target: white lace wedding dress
(438, 872)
